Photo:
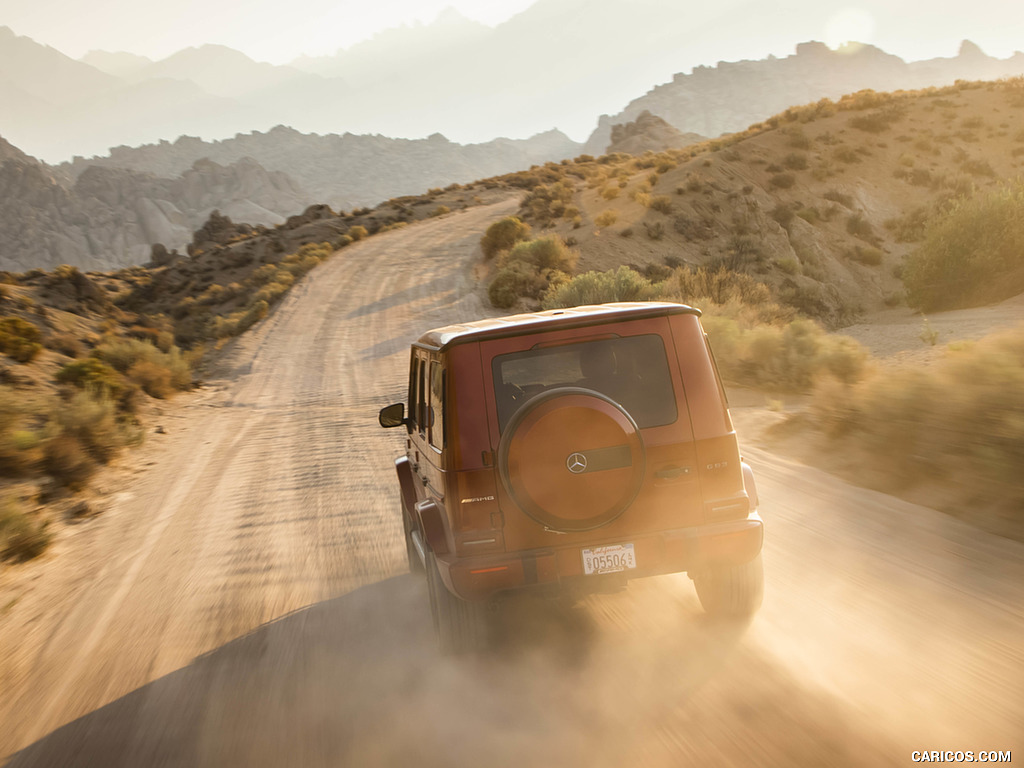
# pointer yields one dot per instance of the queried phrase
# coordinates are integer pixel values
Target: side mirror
(392, 415)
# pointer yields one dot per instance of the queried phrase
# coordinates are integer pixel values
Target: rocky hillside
(649, 133)
(108, 217)
(733, 95)
(345, 171)
(821, 202)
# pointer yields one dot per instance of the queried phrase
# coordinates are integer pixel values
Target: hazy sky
(269, 30)
(266, 30)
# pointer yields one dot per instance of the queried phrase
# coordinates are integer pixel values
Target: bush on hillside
(623, 284)
(544, 253)
(502, 235)
(125, 355)
(19, 339)
(515, 281)
(92, 373)
(907, 419)
(971, 255)
(21, 536)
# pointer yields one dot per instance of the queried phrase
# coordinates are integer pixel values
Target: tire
(460, 626)
(572, 459)
(733, 592)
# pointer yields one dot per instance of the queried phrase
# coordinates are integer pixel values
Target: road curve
(244, 600)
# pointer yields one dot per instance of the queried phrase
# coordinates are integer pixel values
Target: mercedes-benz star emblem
(576, 463)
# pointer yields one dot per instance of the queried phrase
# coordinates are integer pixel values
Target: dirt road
(244, 600)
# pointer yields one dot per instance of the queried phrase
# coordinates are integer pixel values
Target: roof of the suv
(549, 320)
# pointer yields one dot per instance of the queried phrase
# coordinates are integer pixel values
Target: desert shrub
(358, 232)
(21, 536)
(724, 293)
(783, 214)
(545, 199)
(154, 379)
(21, 435)
(68, 463)
(514, 282)
(789, 265)
(606, 218)
(19, 339)
(301, 266)
(866, 255)
(741, 251)
(795, 161)
(264, 274)
(978, 167)
(971, 255)
(623, 284)
(655, 231)
(782, 180)
(858, 226)
(273, 292)
(91, 419)
(876, 122)
(811, 215)
(907, 419)
(910, 227)
(796, 138)
(125, 355)
(661, 203)
(610, 192)
(549, 253)
(91, 373)
(921, 177)
(845, 154)
(239, 322)
(788, 357)
(694, 182)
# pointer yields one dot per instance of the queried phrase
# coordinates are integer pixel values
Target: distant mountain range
(731, 96)
(107, 212)
(559, 63)
(109, 217)
(345, 171)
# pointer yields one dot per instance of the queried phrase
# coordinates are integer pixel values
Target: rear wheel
(460, 626)
(732, 591)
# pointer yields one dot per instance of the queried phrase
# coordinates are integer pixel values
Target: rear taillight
(727, 509)
(476, 517)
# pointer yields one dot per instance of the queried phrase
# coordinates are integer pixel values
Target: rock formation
(648, 133)
(110, 217)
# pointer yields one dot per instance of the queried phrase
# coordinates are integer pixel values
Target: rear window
(633, 371)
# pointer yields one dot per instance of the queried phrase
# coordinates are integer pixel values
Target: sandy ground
(244, 600)
(895, 335)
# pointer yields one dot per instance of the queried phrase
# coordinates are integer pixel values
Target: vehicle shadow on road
(357, 680)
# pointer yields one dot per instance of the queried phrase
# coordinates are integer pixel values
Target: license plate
(617, 557)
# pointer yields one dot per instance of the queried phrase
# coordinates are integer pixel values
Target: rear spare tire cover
(572, 459)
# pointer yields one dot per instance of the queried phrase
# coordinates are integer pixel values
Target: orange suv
(572, 449)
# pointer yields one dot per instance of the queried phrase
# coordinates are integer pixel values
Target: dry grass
(758, 343)
(22, 537)
(960, 423)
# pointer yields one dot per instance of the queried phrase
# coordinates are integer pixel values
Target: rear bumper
(686, 549)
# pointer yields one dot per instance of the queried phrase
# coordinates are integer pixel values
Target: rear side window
(438, 385)
(632, 370)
